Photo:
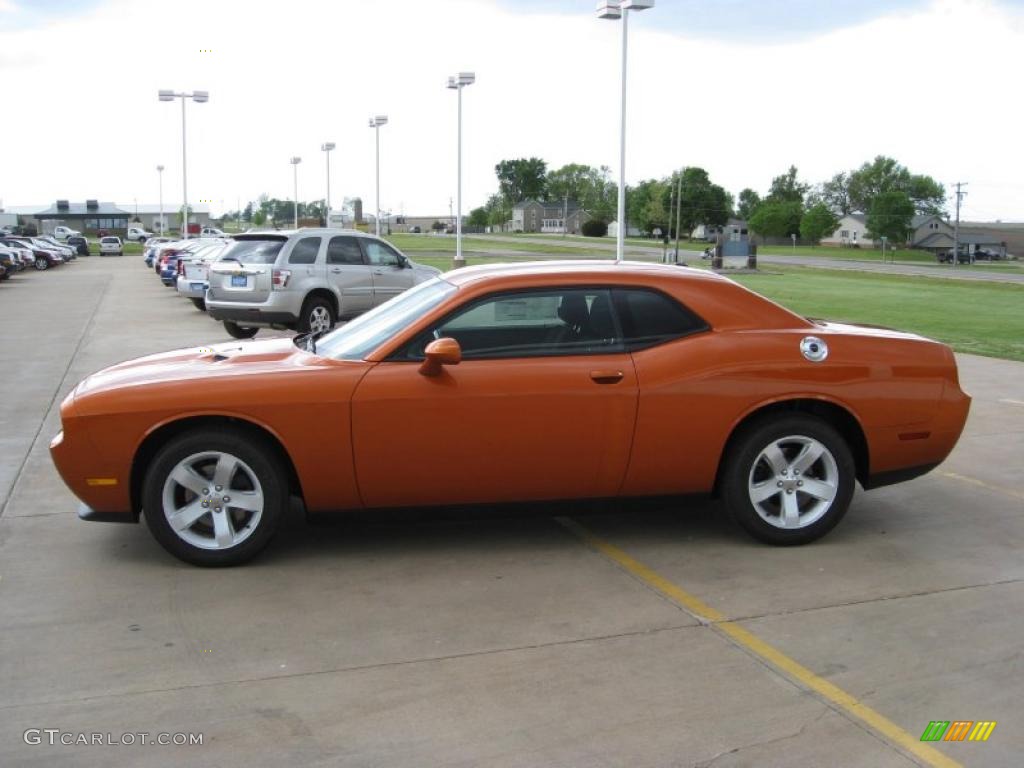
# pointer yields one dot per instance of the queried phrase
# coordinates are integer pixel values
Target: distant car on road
(305, 279)
(111, 246)
(211, 232)
(137, 235)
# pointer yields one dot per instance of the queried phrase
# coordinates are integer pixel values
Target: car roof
(579, 270)
(284, 234)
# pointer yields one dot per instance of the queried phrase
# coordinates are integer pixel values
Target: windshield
(357, 339)
(253, 251)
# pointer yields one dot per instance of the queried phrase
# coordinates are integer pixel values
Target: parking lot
(642, 634)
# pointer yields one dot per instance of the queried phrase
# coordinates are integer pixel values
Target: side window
(305, 251)
(530, 324)
(344, 250)
(650, 317)
(379, 254)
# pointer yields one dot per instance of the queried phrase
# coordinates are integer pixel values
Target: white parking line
(1008, 401)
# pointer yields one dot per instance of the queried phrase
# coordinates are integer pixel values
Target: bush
(594, 228)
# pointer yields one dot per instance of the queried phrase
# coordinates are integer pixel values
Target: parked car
(168, 260)
(63, 233)
(79, 243)
(305, 279)
(505, 383)
(149, 248)
(67, 251)
(193, 271)
(946, 257)
(111, 246)
(44, 258)
(10, 262)
(138, 235)
(23, 252)
(211, 232)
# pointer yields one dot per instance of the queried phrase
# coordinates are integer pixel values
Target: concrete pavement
(453, 639)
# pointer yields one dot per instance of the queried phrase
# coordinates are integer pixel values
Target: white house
(851, 232)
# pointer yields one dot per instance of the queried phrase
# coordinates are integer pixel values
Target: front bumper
(85, 512)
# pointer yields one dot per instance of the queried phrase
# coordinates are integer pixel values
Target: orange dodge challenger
(515, 382)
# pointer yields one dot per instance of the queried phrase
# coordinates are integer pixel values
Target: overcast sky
(822, 85)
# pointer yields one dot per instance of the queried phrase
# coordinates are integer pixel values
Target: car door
(391, 273)
(542, 406)
(349, 274)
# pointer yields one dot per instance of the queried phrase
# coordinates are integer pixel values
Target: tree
(247, 213)
(835, 193)
(639, 209)
(594, 228)
(884, 175)
(587, 186)
(259, 218)
(701, 201)
(777, 219)
(818, 221)
(478, 217)
(522, 179)
(749, 200)
(890, 216)
(787, 188)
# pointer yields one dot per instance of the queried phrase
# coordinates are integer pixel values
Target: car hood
(219, 360)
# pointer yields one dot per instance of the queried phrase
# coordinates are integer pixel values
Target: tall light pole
(160, 175)
(619, 9)
(295, 177)
(326, 148)
(376, 122)
(200, 97)
(457, 83)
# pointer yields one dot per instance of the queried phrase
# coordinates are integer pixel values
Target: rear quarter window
(650, 317)
(305, 251)
(253, 251)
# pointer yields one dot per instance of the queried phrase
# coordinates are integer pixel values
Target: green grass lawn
(981, 318)
(446, 243)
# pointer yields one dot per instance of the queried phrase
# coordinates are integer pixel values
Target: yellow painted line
(717, 621)
(983, 484)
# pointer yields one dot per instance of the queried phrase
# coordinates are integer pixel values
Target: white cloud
(281, 83)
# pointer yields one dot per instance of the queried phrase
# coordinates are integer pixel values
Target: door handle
(336, 270)
(606, 377)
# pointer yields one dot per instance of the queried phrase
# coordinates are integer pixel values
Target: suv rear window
(253, 251)
(109, 240)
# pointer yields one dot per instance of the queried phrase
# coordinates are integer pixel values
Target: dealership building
(94, 216)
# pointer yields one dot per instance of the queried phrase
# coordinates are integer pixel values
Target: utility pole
(960, 194)
(679, 211)
(672, 205)
(565, 213)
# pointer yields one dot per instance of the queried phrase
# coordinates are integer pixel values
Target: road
(655, 252)
(633, 636)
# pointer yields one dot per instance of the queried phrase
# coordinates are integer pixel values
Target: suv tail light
(181, 266)
(280, 278)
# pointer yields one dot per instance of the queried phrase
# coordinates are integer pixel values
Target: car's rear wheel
(42, 264)
(237, 331)
(788, 480)
(317, 316)
(215, 498)
(200, 304)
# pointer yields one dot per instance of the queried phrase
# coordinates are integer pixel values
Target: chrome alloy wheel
(319, 320)
(212, 500)
(793, 482)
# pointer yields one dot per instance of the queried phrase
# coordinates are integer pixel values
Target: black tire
(742, 466)
(312, 308)
(200, 304)
(236, 331)
(260, 457)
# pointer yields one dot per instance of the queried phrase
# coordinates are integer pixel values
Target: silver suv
(305, 279)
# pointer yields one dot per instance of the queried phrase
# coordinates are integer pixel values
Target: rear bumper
(85, 512)
(185, 288)
(249, 316)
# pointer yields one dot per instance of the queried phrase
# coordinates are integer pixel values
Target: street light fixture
(200, 97)
(376, 122)
(160, 175)
(457, 83)
(619, 9)
(326, 148)
(295, 173)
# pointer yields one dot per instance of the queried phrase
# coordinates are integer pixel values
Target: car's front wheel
(42, 264)
(199, 304)
(788, 480)
(237, 331)
(215, 498)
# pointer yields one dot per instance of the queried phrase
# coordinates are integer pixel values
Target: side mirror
(439, 353)
(404, 263)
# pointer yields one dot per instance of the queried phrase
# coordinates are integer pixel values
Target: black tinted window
(649, 318)
(253, 251)
(305, 251)
(344, 250)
